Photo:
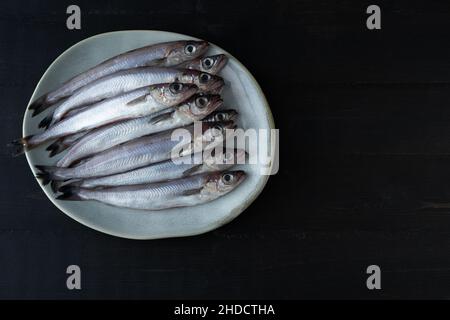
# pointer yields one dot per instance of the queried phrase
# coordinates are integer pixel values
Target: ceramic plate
(242, 92)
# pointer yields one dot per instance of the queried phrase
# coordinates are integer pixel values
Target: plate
(242, 93)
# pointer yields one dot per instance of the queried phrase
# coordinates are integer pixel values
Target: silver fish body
(168, 170)
(128, 80)
(138, 103)
(137, 153)
(117, 133)
(189, 191)
(66, 142)
(162, 54)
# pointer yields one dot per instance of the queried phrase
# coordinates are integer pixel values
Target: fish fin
(46, 174)
(78, 162)
(156, 62)
(191, 192)
(62, 186)
(46, 122)
(137, 101)
(70, 193)
(39, 105)
(161, 117)
(57, 185)
(192, 170)
(19, 146)
(56, 147)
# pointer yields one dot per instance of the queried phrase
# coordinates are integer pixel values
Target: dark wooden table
(364, 119)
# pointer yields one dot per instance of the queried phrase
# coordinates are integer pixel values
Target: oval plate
(242, 93)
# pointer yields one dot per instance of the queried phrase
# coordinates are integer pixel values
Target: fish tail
(46, 174)
(19, 146)
(56, 147)
(46, 122)
(62, 185)
(39, 105)
(70, 193)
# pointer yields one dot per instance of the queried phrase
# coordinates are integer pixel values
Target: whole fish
(163, 54)
(138, 103)
(127, 80)
(109, 136)
(166, 170)
(193, 190)
(211, 64)
(139, 153)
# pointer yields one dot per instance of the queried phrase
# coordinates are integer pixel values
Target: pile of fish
(114, 123)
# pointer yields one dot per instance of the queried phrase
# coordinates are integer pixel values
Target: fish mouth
(232, 114)
(217, 86)
(222, 60)
(240, 176)
(202, 47)
(191, 89)
(229, 124)
(216, 102)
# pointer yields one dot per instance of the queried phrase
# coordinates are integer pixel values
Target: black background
(364, 119)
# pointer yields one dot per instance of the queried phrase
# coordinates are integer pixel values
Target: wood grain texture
(364, 118)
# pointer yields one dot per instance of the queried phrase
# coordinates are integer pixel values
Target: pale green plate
(242, 93)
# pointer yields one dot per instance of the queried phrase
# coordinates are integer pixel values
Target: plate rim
(239, 209)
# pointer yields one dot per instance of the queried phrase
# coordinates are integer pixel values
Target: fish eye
(208, 63)
(227, 178)
(189, 49)
(204, 78)
(220, 117)
(216, 131)
(176, 87)
(201, 102)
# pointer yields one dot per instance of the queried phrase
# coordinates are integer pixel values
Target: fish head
(222, 115)
(171, 94)
(182, 51)
(222, 158)
(206, 82)
(217, 131)
(224, 182)
(213, 64)
(201, 105)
